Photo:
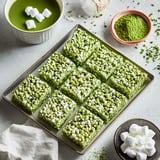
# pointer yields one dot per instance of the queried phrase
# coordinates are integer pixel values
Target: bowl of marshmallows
(137, 139)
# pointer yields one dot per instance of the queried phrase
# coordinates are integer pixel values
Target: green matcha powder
(131, 27)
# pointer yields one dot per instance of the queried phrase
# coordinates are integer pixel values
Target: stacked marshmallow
(138, 142)
(34, 13)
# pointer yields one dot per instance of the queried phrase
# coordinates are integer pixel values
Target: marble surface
(16, 57)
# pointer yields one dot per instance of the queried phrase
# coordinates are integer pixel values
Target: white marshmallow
(151, 133)
(150, 142)
(141, 156)
(46, 13)
(140, 139)
(28, 10)
(140, 148)
(131, 153)
(39, 17)
(34, 12)
(144, 130)
(124, 135)
(130, 141)
(134, 129)
(30, 24)
(124, 147)
(150, 151)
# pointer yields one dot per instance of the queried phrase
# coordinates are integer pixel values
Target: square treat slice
(83, 127)
(80, 46)
(103, 62)
(106, 102)
(31, 93)
(80, 84)
(57, 109)
(56, 70)
(127, 79)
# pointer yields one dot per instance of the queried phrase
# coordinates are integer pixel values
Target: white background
(16, 57)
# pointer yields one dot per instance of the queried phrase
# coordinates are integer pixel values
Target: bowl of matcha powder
(130, 27)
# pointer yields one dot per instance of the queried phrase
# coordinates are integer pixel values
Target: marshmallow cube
(151, 133)
(139, 148)
(30, 24)
(140, 139)
(28, 10)
(34, 12)
(141, 156)
(124, 135)
(150, 142)
(134, 129)
(46, 13)
(150, 151)
(130, 141)
(144, 130)
(39, 17)
(131, 153)
(124, 147)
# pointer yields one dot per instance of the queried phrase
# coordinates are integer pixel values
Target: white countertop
(16, 57)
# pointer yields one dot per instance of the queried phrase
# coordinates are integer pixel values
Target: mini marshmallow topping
(27, 10)
(30, 24)
(46, 13)
(34, 13)
(138, 142)
(39, 17)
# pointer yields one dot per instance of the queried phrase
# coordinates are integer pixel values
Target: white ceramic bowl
(32, 37)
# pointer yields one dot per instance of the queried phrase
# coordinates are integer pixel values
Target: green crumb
(157, 67)
(69, 11)
(152, 53)
(99, 15)
(105, 25)
(97, 154)
(131, 27)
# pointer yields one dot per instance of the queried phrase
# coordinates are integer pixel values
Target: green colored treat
(131, 27)
(56, 70)
(57, 109)
(31, 93)
(79, 85)
(103, 62)
(127, 79)
(80, 46)
(83, 127)
(106, 102)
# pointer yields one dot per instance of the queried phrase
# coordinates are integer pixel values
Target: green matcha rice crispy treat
(80, 46)
(127, 79)
(57, 109)
(106, 102)
(83, 127)
(80, 84)
(56, 70)
(103, 62)
(31, 93)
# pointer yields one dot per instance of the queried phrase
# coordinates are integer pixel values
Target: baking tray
(7, 95)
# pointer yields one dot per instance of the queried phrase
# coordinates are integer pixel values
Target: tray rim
(44, 57)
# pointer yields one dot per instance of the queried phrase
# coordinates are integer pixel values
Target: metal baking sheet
(7, 95)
